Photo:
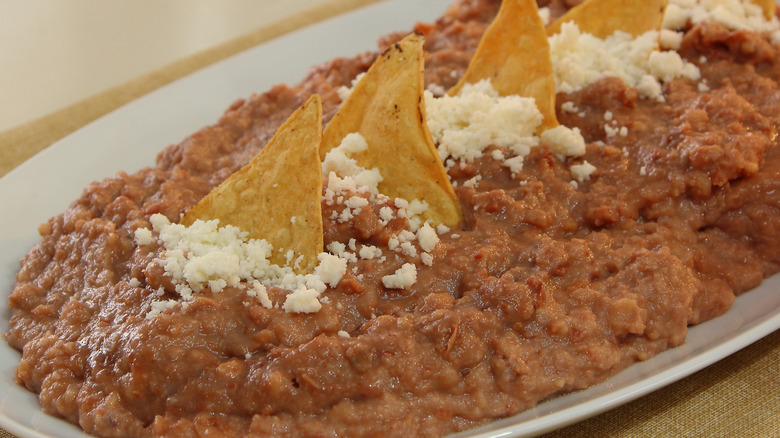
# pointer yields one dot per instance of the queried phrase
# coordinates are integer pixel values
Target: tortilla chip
(514, 54)
(387, 108)
(769, 7)
(602, 18)
(277, 195)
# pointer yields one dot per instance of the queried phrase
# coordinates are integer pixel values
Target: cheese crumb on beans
(402, 278)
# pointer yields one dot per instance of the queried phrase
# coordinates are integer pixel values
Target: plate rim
(753, 332)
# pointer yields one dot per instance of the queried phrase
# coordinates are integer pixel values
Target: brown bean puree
(548, 288)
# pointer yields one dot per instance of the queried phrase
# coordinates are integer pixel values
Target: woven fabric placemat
(738, 396)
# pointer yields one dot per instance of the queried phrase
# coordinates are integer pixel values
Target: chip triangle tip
(284, 180)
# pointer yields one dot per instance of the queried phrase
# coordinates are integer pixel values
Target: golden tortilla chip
(769, 7)
(277, 195)
(515, 55)
(602, 18)
(387, 108)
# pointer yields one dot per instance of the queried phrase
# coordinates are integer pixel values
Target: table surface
(73, 61)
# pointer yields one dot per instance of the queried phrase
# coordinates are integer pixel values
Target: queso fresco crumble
(583, 249)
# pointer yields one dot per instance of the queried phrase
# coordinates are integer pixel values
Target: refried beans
(548, 288)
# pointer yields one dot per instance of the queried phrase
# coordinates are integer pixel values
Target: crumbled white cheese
(159, 222)
(670, 39)
(393, 243)
(544, 14)
(669, 65)
(159, 307)
(463, 126)
(582, 171)
(344, 92)
(649, 86)
(143, 236)
(260, 292)
(580, 59)
(564, 141)
(340, 250)
(386, 214)
(356, 202)
(427, 238)
(330, 269)
(346, 177)
(343, 334)
(674, 16)
(472, 182)
(404, 277)
(733, 14)
(338, 161)
(569, 107)
(406, 236)
(302, 300)
(345, 215)
(408, 249)
(205, 255)
(368, 252)
(426, 259)
(134, 282)
(437, 90)
(414, 211)
(515, 164)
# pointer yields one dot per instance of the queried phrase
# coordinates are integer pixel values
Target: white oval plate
(129, 138)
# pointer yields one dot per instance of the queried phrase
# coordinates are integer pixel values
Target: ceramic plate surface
(129, 138)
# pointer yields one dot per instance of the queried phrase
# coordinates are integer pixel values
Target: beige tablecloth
(736, 397)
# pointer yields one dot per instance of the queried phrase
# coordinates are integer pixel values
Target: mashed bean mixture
(549, 287)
